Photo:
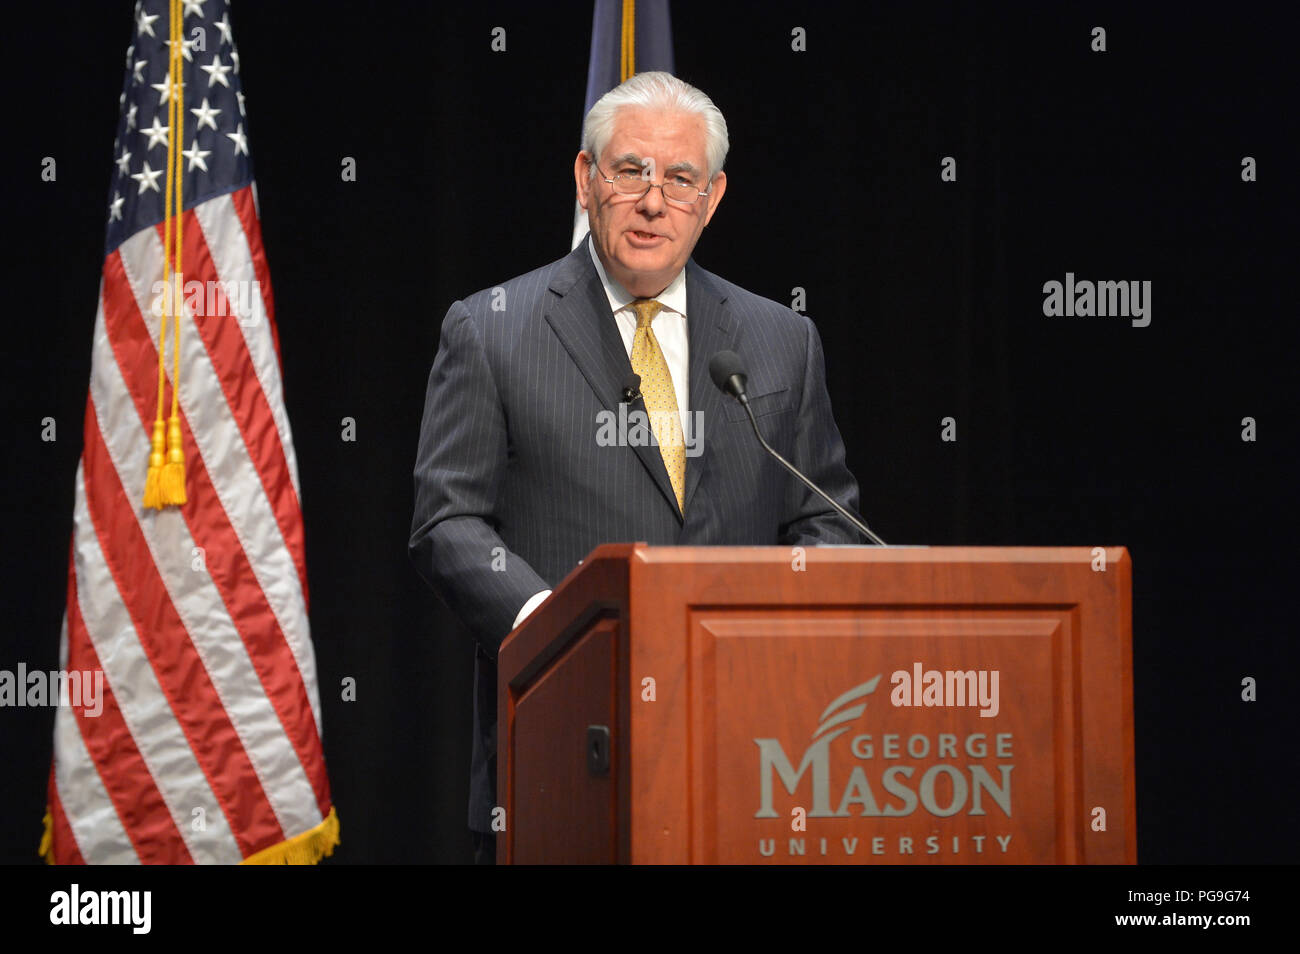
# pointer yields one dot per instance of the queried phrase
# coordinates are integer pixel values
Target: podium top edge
(837, 553)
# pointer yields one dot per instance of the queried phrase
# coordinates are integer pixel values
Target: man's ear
(715, 195)
(582, 178)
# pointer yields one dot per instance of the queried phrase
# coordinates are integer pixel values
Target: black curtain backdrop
(1122, 165)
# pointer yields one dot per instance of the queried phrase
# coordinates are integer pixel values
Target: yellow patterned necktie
(660, 398)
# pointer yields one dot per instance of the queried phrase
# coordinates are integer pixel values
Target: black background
(1122, 165)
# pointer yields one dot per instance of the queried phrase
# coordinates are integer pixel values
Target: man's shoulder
(750, 306)
(527, 287)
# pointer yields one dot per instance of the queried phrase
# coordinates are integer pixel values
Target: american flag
(208, 746)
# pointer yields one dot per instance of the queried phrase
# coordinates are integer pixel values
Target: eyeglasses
(630, 183)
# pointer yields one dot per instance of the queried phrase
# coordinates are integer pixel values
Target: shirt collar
(673, 298)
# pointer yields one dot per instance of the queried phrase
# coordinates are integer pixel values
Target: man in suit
(517, 477)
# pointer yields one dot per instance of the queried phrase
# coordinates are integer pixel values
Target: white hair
(656, 90)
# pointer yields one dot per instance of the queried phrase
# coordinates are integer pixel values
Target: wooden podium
(842, 705)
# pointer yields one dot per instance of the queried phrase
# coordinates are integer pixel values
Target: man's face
(643, 242)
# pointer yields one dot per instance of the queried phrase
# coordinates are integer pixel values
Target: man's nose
(652, 203)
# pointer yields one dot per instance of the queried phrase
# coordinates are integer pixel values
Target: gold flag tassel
(173, 476)
(164, 483)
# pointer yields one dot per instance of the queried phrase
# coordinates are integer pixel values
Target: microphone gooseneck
(728, 373)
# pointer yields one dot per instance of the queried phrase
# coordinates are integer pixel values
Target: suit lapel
(710, 328)
(580, 317)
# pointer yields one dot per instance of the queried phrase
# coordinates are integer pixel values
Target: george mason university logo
(876, 776)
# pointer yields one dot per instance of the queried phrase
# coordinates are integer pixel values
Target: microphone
(728, 373)
(632, 392)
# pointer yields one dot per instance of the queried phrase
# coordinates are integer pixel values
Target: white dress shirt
(669, 327)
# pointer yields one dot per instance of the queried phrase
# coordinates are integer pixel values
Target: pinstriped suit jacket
(512, 488)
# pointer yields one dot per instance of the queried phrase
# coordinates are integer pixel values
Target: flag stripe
(237, 252)
(254, 674)
(231, 344)
(144, 706)
(63, 847)
(231, 469)
(179, 724)
(135, 798)
(245, 205)
(90, 814)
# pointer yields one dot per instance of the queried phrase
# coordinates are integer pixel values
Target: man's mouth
(645, 238)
